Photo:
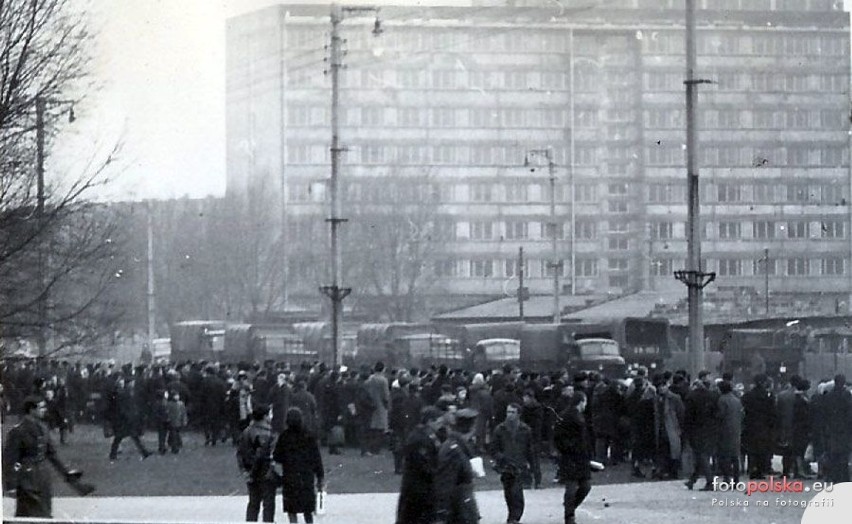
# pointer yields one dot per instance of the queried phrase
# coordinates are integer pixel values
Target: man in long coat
(730, 419)
(27, 449)
(700, 428)
(838, 413)
(279, 401)
(379, 391)
(420, 460)
(759, 427)
(668, 424)
(571, 441)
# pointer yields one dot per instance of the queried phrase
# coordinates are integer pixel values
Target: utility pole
(334, 291)
(41, 339)
(766, 278)
(152, 317)
(521, 290)
(694, 278)
(555, 264)
(571, 151)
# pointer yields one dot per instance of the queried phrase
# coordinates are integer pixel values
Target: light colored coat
(379, 391)
(670, 413)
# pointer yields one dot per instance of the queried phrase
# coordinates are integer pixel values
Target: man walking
(514, 453)
(28, 446)
(571, 439)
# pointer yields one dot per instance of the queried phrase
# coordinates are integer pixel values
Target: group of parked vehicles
(813, 348)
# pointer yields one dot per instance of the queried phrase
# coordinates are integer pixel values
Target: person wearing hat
(802, 429)
(254, 459)
(378, 390)
(575, 454)
(838, 414)
(420, 457)
(123, 415)
(28, 447)
(759, 427)
(455, 501)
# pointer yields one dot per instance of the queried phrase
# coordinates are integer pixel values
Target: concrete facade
(442, 108)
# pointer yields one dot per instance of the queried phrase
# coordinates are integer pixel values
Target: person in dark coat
(307, 404)
(784, 411)
(123, 415)
(331, 414)
(454, 497)
(759, 427)
(668, 430)
(297, 450)
(481, 401)
(279, 400)
(28, 446)
(700, 424)
(801, 430)
(212, 391)
(571, 441)
(514, 454)
(420, 459)
(838, 413)
(399, 422)
(729, 414)
(639, 404)
(609, 406)
(254, 459)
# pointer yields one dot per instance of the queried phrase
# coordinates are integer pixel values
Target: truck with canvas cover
(197, 340)
(550, 347)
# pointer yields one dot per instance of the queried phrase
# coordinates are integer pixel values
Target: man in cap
(455, 501)
(28, 446)
(420, 459)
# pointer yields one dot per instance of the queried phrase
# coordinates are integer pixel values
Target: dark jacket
(455, 501)
(298, 453)
(570, 437)
(759, 424)
(700, 420)
(513, 449)
(27, 452)
(254, 451)
(729, 413)
(417, 490)
(279, 399)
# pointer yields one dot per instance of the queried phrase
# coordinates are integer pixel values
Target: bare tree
(44, 57)
(391, 245)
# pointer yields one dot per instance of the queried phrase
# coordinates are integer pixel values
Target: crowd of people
(431, 419)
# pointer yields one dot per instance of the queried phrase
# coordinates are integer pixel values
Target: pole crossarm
(335, 293)
(695, 279)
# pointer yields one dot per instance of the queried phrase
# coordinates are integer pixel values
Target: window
(797, 229)
(832, 228)
(410, 117)
(444, 117)
(516, 192)
(586, 229)
(481, 230)
(617, 264)
(759, 266)
(480, 192)
(585, 193)
(481, 268)
(446, 268)
(586, 267)
(797, 266)
(618, 281)
(516, 80)
(662, 267)
(730, 267)
(797, 193)
(832, 266)
(764, 193)
(547, 267)
(517, 230)
(661, 230)
(617, 244)
(729, 192)
(833, 194)
(764, 230)
(444, 79)
(618, 226)
(617, 206)
(730, 230)
(512, 268)
(617, 189)
(372, 116)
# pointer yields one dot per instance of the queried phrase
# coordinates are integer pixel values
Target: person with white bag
(302, 474)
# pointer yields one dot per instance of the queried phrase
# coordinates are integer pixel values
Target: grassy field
(200, 470)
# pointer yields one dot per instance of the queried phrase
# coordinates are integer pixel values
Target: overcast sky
(161, 66)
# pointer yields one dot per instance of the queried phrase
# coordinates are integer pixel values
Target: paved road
(648, 503)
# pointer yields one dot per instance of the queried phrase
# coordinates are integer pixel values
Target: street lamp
(555, 264)
(41, 107)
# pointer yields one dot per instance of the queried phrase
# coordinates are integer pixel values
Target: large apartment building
(443, 108)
